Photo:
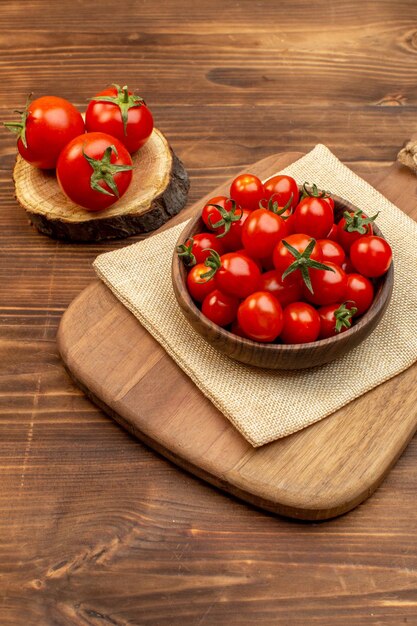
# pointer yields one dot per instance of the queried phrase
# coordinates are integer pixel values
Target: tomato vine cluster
(273, 264)
(92, 158)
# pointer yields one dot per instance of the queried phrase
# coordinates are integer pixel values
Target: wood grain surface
(317, 473)
(95, 528)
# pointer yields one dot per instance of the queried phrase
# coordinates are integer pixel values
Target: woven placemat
(265, 405)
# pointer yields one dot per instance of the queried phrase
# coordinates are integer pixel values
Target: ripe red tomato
(286, 291)
(47, 124)
(301, 323)
(328, 286)
(247, 191)
(236, 274)
(280, 188)
(347, 266)
(117, 112)
(197, 248)
(220, 308)
(302, 246)
(359, 293)
(332, 251)
(334, 319)
(199, 287)
(94, 170)
(262, 231)
(237, 330)
(220, 214)
(314, 217)
(260, 317)
(246, 253)
(371, 256)
(332, 234)
(353, 226)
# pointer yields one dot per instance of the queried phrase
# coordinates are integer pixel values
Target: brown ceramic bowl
(275, 355)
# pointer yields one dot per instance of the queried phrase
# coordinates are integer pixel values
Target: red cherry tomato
(262, 231)
(328, 286)
(352, 227)
(117, 112)
(238, 275)
(283, 258)
(229, 220)
(286, 291)
(330, 202)
(347, 266)
(94, 170)
(46, 126)
(246, 253)
(199, 287)
(314, 217)
(371, 256)
(359, 293)
(247, 191)
(260, 316)
(220, 308)
(197, 249)
(334, 319)
(301, 323)
(281, 187)
(332, 234)
(332, 251)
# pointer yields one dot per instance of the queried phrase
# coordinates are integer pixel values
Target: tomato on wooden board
(359, 293)
(94, 170)
(280, 188)
(335, 319)
(260, 317)
(286, 291)
(199, 287)
(332, 251)
(301, 323)
(328, 285)
(118, 112)
(371, 256)
(314, 217)
(261, 232)
(220, 308)
(47, 125)
(197, 248)
(247, 191)
(235, 274)
(352, 226)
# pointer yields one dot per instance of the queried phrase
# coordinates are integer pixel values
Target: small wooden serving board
(317, 473)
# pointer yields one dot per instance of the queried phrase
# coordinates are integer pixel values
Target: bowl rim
(382, 293)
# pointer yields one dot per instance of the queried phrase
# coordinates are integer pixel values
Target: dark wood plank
(95, 528)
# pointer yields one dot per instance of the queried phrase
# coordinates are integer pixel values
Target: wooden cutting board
(318, 473)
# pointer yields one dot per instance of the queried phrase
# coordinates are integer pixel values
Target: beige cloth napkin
(265, 405)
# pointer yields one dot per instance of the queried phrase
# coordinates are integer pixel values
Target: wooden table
(95, 528)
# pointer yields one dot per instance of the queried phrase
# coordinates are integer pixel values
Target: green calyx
(184, 251)
(274, 207)
(104, 171)
(303, 262)
(213, 263)
(343, 316)
(19, 128)
(227, 218)
(123, 100)
(355, 222)
(313, 191)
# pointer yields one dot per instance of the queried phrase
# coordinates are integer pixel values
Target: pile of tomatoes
(92, 158)
(273, 265)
